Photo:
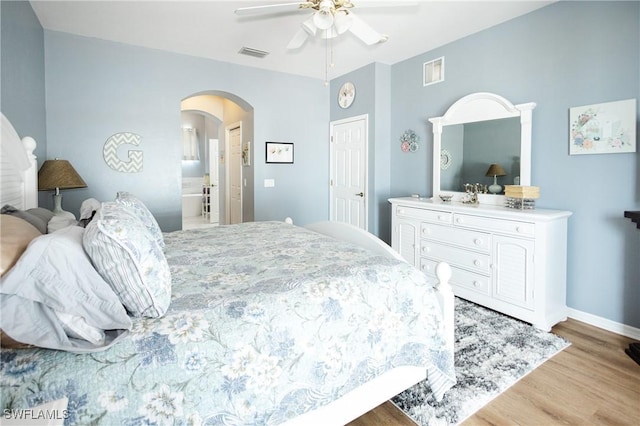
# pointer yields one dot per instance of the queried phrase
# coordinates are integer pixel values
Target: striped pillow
(129, 258)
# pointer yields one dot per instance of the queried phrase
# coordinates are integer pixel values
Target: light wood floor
(592, 382)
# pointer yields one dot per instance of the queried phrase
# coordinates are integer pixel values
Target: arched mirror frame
(476, 107)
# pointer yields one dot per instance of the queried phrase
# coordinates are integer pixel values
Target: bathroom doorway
(208, 165)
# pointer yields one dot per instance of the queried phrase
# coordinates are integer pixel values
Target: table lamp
(495, 170)
(59, 174)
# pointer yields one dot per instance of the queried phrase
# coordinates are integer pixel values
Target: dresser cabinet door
(405, 240)
(513, 271)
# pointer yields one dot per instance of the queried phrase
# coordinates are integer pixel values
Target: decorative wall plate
(409, 141)
(445, 159)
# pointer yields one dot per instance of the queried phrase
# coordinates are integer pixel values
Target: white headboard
(18, 169)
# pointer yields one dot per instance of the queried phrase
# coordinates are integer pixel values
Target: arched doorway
(225, 124)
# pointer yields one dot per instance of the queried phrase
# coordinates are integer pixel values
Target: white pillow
(77, 328)
(141, 212)
(55, 274)
(130, 260)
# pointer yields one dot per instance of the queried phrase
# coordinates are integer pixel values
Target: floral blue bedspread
(267, 321)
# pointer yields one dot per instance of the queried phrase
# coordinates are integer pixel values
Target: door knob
(361, 194)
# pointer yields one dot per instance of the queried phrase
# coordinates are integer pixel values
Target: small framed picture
(279, 152)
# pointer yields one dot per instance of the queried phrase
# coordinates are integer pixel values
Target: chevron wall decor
(110, 153)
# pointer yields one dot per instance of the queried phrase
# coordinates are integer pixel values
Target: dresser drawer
(424, 214)
(465, 238)
(477, 262)
(459, 277)
(510, 227)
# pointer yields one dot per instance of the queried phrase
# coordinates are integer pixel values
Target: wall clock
(346, 95)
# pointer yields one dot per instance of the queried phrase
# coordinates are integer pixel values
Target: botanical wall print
(246, 154)
(133, 164)
(409, 141)
(603, 128)
(279, 152)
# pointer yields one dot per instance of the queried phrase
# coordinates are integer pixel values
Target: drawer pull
(477, 241)
(459, 220)
(477, 262)
(476, 284)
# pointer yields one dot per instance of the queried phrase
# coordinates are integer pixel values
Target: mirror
(477, 131)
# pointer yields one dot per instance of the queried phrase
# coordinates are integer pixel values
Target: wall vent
(433, 71)
(253, 52)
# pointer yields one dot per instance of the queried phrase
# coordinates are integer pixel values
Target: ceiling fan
(330, 19)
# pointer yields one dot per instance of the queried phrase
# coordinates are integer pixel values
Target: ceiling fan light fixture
(342, 21)
(323, 18)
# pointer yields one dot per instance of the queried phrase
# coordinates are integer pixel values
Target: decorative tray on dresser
(512, 261)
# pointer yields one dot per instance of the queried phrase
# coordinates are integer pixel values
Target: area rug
(492, 352)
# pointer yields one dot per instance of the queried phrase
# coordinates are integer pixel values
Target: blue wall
(97, 88)
(563, 55)
(372, 98)
(22, 92)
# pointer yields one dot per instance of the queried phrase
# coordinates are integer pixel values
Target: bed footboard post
(443, 272)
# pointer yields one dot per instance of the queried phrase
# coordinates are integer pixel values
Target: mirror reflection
(468, 150)
(488, 139)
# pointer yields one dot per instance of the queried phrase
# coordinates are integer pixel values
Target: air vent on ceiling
(253, 52)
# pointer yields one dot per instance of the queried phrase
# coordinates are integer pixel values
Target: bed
(260, 323)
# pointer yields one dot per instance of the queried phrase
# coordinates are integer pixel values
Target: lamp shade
(58, 174)
(496, 170)
(323, 18)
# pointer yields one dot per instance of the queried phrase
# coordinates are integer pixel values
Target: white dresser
(512, 261)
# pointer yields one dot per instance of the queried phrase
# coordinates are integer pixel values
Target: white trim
(605, 324)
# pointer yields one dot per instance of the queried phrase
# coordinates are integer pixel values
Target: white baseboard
(612, 326)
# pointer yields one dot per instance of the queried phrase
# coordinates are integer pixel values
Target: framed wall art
(246, 154)
(603, 128)
(279, 152)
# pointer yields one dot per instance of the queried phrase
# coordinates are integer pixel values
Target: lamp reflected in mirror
(495, 170)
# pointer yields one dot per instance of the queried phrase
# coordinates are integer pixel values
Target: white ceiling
(211, 29)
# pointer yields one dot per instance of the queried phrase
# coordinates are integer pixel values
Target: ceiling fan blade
(306, 29)
(364, 32)
(273, 8)
(298, 40)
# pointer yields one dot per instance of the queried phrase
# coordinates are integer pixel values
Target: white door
(348, 192)
(214, 179)
(234, 174)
